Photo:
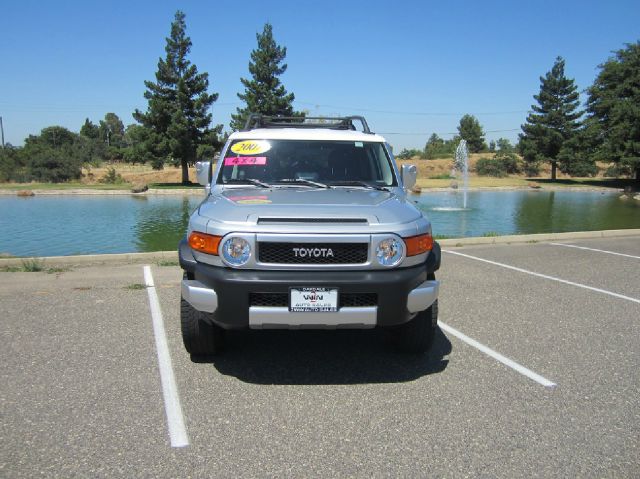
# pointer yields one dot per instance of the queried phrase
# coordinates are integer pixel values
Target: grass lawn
(520, 182)
(173, 186)
(63, 186)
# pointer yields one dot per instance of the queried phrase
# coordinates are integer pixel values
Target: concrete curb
(538, 237)
(129, 258)
(97, 259)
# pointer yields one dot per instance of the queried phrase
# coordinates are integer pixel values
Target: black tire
(417, 335)
(199, 337)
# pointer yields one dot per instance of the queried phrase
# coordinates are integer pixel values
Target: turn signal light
(204, 242)
(419, 244)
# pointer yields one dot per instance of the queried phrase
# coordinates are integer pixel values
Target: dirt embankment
(443, 166)
(136, 174)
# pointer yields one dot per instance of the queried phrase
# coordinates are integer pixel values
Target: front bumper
(226, 294)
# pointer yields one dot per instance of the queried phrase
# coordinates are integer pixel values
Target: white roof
(305, 134)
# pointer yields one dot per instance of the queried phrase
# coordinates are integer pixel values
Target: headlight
(389, 252)
(236, 251)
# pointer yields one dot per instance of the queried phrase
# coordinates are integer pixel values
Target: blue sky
(411, 68)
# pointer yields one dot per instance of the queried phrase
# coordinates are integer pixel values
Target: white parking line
(173, 410)
(597, 250)
(552, 278)
(498, 357)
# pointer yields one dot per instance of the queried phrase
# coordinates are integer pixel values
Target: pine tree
(554, 122)
(614, 113)
(90, 130)
(177, 115)
(92, 148)
(264, 93)
(471, 131)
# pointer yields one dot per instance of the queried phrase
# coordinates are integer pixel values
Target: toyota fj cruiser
(307, 224)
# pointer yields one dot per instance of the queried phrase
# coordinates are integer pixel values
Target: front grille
(271, 300)
(356, 300)
(312, 253)
(348, 300)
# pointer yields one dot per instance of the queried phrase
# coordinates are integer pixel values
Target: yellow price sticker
(251, 147)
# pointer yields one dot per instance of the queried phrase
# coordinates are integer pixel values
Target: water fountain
(461, 163)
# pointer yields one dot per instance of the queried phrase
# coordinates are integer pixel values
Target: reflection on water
(65, 225)
(163, 229)
(526, 212)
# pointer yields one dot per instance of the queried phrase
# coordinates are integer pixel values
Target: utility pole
(2, 130)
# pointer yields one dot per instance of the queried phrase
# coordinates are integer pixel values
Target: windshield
(335, 163)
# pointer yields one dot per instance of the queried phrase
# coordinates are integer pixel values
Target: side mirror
(202, 172)
(409, 176)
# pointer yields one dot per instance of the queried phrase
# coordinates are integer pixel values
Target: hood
(251, 204)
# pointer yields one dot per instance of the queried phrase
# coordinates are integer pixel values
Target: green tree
(471, 130)
(177, 115)
(434, 147)
(554, 121)
(53, 155)
(613, 107)
(112, 130)
(264, 93)
(90, 130)
(89, 151)
(504, 145)
(90, 145)
(136, 149)
(10, 163)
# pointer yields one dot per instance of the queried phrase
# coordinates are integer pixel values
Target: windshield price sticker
(245, 160)
(251, 147)
(314, 300)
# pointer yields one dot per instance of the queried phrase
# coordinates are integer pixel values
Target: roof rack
(257, 120)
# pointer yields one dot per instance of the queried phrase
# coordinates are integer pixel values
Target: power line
(419, 113)
(79, 107)
(448, 133)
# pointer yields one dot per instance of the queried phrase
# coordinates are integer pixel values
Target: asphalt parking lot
(535, 373)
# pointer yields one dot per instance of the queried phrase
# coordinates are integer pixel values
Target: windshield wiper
(359, 183)
(249, 181)
(302, 181)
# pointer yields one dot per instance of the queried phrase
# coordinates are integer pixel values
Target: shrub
(53, 165)
(111, 177)
(510, 161)
(407, 154)
(612, 171)
(532, 168)
(32, 265)
(491, 167)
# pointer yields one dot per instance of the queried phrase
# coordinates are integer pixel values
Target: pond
(68, 225)
(528, 212)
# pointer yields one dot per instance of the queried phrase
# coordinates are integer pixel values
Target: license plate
(313, 300)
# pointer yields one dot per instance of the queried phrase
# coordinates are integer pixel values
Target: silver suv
(306, 224)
